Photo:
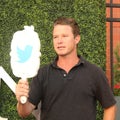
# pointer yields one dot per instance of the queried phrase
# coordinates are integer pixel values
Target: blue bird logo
(25, 54)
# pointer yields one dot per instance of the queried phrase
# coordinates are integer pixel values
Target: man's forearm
(25, 109)
(110, 113)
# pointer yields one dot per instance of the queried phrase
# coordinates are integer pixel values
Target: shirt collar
(81, 61)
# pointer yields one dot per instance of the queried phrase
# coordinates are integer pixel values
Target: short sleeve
(103, 91)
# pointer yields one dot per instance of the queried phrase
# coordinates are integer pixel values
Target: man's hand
(22, 89)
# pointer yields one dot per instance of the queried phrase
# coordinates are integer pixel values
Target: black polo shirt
(70, 96)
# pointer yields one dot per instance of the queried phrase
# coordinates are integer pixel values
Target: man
(69, 87)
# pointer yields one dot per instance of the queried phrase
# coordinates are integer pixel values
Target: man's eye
(65, 36)
(54, 37)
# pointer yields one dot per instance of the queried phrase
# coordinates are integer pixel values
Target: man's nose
(60, 40)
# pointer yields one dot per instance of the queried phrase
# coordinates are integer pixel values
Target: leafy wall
(14, 14)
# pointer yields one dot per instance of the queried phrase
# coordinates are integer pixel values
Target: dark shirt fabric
(73, 95)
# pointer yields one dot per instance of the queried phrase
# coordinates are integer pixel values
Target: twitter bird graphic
(24, 54)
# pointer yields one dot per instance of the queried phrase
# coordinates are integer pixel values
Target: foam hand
(25, 54)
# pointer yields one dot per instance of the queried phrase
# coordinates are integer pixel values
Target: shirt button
(64, 75)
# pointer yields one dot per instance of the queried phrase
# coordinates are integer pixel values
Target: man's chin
(62, 54)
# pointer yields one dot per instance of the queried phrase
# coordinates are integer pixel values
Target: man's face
(63, 40)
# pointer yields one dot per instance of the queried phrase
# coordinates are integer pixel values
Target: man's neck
(67, 62)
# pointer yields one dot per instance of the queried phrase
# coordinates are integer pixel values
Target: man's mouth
(60, 47)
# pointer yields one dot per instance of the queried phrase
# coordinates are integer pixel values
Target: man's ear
(77, 39)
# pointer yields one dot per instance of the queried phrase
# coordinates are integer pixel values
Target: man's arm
(22, 89)
(110, 113)
(25, 109)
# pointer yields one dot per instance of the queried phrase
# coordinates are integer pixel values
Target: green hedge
(14, 14)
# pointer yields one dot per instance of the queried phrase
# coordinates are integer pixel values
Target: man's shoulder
(45, 67)
(90, 65)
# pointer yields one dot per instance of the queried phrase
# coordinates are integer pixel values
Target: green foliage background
(117, 71)
(14, 14)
